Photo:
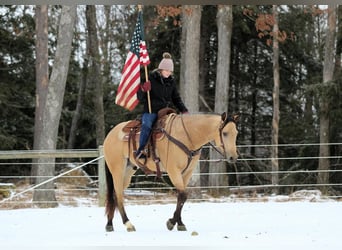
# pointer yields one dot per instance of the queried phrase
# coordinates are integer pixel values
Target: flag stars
(136, 40)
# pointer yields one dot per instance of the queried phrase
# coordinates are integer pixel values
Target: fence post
(102, 178)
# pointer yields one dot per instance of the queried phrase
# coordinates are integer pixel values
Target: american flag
(129, 85)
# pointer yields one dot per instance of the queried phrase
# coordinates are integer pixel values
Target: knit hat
(166, 63)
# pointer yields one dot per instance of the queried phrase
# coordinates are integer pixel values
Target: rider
(163, 93)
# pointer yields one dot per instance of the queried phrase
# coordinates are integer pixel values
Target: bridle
(223, 124)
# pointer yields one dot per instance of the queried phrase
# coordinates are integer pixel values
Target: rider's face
(166, 73)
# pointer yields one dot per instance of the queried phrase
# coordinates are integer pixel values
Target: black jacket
(163, 94)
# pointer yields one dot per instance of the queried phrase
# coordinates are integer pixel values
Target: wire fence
(80, 182)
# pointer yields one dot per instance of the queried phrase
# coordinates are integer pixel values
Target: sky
(275, 224)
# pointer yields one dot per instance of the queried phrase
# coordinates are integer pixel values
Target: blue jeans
(148, 120)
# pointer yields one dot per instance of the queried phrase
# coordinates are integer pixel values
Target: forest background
(278, 66)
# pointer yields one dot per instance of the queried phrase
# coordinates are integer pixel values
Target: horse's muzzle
(231, 159)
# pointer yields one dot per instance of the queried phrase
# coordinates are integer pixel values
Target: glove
(146, 86)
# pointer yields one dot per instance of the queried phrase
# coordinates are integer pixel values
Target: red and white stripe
(129, 84)
(144, 58)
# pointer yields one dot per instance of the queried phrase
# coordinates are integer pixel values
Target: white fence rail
(16, 189)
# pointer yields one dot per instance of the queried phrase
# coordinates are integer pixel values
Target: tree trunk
(80, 98)
(224, 21)
(254, 99)
(95, 76)
(276, 86)
(309, 100)
(105, 46)
(42, 76)
(339, 40)
(324, 106)
(44, 195)
(79, 105)
(182, 60)
(203, 67)
(190, 69)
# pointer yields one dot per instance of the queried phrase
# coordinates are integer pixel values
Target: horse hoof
(169, 225)
(181, 228)
(109, 228)
(130, 227)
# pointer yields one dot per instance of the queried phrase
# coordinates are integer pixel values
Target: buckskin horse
(177, 150)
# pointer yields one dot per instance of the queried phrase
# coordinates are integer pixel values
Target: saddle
(134, 126)
(131, 133)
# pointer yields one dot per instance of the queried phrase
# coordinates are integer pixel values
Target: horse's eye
(224, 134)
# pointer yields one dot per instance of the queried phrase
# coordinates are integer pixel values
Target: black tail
(110, 202)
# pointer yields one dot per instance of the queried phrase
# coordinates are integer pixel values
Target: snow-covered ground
(224, 225)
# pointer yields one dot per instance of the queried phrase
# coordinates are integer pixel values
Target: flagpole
(146, 75)
(148, 92)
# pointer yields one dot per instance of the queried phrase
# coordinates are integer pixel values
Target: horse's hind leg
(181, 198)
(116, 182)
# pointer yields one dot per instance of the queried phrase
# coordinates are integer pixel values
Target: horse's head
(226, 139)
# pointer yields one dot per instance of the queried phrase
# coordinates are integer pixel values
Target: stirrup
(141, 162)
(141, 155)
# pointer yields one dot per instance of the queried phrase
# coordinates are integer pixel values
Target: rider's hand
(146, 86)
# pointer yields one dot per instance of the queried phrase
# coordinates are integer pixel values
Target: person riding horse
(178, 151)
(163, 93)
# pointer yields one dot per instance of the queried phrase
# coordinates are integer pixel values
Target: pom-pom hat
(166, 63)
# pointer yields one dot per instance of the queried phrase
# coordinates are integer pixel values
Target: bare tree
(224, 24)
(42, 74)
(44, 195)
(79, 105)
(190, 66)
(80, 97)
(324, 107)
(191, 21)
(95, 76)
(276, 86)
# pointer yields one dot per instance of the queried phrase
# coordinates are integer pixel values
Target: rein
(214, 147)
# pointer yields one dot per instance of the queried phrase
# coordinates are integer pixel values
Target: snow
(224, 225)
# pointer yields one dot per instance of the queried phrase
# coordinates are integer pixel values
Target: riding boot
(144, 135)
(148, 120)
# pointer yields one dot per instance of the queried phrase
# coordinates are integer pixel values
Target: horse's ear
(224, 116)
(236, 117)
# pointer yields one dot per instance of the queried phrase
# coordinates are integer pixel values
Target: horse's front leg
(181, 198)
